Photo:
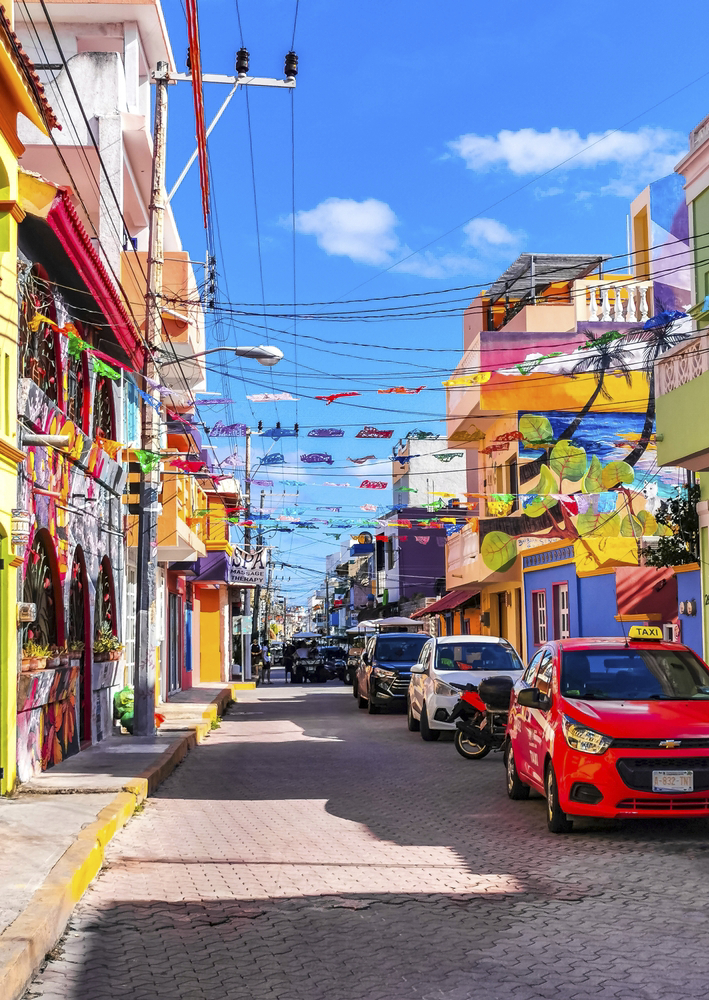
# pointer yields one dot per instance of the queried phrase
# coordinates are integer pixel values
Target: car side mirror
(533, 698)
(418, 668)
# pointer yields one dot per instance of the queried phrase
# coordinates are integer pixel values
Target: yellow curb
(24, 944)
(243, 686)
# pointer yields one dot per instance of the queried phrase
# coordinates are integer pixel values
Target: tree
(680, 516)
(608, 355)
(657, 339)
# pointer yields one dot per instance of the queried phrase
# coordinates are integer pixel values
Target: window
(539, 612)
(38, 345)
(391, 552)
(562, 625)
(543, 681)
(103, 422)
(131, 414)
(531, 670)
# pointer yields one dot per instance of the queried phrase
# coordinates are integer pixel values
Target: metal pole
(257, 592)
(327, 604)
(246, 638)
(145, 619)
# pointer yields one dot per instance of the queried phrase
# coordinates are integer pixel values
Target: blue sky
(413, 120)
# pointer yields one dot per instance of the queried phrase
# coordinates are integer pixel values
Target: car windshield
(629, 674)
(400, 649)
(477, 656)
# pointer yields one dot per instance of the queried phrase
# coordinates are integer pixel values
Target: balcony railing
(682, 364)
(617, 301)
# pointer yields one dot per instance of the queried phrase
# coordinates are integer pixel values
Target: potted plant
(54, 658)
(75, 647)
(34, 655)
(106, 645)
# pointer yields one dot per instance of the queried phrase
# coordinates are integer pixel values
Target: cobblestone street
(310, 851)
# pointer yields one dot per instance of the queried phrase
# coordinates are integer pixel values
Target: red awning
(452, 600)
(67, 226)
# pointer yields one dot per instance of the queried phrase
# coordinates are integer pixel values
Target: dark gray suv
(382, 677)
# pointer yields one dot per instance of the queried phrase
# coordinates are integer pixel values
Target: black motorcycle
(480, 717)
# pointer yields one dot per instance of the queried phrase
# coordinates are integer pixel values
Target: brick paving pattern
(309, 851)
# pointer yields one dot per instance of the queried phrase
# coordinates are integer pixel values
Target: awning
(452, 600)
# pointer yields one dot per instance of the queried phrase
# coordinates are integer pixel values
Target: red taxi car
(612, 728)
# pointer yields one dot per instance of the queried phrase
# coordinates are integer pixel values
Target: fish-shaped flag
(273, 397)
(326, 432)
(373, 432)
(336, 395)
(372, 484)
(317, 458)
(401, 390)
(360, 461)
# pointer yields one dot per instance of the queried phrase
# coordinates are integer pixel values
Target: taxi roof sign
(645, 632)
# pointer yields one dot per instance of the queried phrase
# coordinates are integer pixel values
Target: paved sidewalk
(314, 852)
(54, 831)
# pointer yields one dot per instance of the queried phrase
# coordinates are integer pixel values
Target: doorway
(502, 602)
(174, 629)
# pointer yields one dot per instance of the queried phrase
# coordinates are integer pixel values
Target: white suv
(444, 668)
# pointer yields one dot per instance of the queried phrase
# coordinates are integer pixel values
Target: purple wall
(422, 566)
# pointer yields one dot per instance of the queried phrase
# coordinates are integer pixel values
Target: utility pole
(267, 608)
(246, 637)
(257, 591)
(327, 604)
(145, 618)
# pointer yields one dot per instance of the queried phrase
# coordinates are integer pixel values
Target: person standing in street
(266, 654)
(256, 662)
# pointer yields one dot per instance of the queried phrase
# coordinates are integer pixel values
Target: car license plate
(673, 781)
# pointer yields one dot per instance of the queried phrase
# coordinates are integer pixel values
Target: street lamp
(264, 354)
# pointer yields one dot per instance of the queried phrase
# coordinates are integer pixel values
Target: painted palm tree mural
(580, 486)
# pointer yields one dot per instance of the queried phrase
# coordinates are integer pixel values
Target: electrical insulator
(296, 428)
(278, 425)
(291, 67)
(260, 426)
(242, 61)
(188, 62)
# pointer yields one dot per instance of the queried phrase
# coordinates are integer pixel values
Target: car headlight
(384, 674)
(440, 687)
(582, 738)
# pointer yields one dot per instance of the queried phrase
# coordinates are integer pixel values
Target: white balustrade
(614, 307)
(682, 364)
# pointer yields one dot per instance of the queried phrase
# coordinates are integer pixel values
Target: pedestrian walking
(266, 654)
(256, 662)
(288, 653)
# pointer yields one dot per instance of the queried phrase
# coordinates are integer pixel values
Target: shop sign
(248, 569)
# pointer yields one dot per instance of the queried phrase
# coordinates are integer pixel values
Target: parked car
(444, 668)
(334, 660)
(611, 727)
(354, 655)
(277, 653)
(382, 677)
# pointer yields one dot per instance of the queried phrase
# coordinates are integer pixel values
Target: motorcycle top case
(495, 692)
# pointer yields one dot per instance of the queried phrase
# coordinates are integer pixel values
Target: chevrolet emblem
(670, 744)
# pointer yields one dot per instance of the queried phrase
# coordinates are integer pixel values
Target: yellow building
(20, 93)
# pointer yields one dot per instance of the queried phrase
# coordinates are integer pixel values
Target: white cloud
(361, 230)
(487, 234)
(650, 152)
(365, 231)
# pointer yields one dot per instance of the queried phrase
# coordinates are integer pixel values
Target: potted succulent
(106, 645)
(34, 655)
(75, 647)
(55, 656)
